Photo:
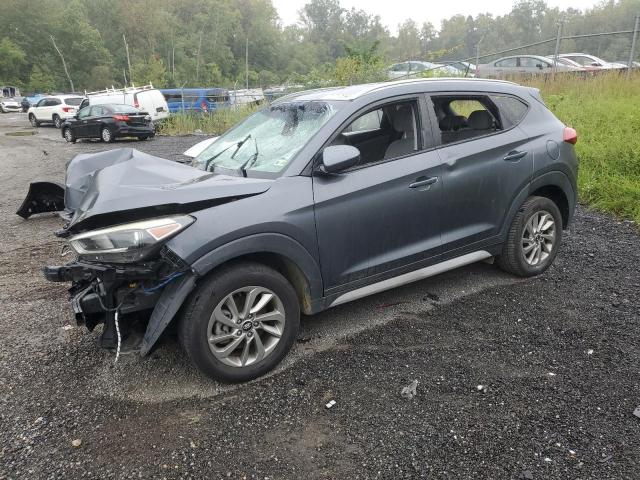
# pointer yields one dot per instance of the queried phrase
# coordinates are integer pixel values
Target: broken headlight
(129, 242)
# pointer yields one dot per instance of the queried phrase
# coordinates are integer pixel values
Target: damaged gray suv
(321, 198)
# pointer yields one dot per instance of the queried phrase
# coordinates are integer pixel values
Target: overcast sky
(393, 12)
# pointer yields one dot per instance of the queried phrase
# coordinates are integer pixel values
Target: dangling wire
(117, 322)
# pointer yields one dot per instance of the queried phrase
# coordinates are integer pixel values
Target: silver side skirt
(411, 277)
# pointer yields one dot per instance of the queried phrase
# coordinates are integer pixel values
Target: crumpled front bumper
(152, 291)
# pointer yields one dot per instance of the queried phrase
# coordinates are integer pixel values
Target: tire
(143, 137)
(57, 121)
(106, 135)
(34, 123)
(2, 109)
(68, 135)
(198, 322)
(530, 250)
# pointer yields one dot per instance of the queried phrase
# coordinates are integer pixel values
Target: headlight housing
(130, 242)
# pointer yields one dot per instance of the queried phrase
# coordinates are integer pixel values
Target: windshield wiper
(250, 161)
(237, 145)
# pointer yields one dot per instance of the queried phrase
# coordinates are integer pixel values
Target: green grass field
(605, 110)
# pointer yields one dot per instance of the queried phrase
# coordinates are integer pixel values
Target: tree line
(204, 42)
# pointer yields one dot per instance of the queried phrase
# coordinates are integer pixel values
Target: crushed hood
(125, 184)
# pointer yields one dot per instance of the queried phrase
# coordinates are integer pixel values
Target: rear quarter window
(511, 110)
(73, 101)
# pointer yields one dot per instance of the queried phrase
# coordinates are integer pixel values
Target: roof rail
(132, 88)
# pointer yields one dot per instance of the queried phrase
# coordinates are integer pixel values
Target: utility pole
(632, 54)
(198, 58)
(557, 51)
(246, 63)
(64, 64)
(126, 47)
(478, 52)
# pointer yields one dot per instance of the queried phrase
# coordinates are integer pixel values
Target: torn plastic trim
(170, 301)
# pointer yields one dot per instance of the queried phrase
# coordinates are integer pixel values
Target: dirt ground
(532, 378)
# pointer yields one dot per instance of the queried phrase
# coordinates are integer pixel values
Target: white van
(147, 99)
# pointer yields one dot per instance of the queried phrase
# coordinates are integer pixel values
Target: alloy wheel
(538, 237)
(68, 136)
(246, 326)
(106, 135)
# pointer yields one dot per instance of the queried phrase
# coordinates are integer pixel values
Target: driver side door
(380, 218)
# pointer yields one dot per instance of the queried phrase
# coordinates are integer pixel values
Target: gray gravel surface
(516, 378)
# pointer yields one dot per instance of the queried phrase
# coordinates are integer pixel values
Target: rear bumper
(134, 131)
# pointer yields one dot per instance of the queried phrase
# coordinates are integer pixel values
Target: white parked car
(9, 105)
(587, 60)
(146, 99)
(54, 109)
(522, 65)
(414, 67)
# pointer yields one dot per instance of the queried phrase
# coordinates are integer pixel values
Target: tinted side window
(386, 133)
(511, 110)
(464, 117)
(84, 112)
(96, 111)
(507, 62)
(368, 121)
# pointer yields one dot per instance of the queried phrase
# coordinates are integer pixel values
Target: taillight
(204, 106)
(121, 118)
(570, 135)
(67, 109)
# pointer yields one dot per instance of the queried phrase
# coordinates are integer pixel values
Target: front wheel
(533, 239)
(34, 123)
(240, 323)
(106, 135)
(69, 136)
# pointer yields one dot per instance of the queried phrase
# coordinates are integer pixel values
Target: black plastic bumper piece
(80, 271)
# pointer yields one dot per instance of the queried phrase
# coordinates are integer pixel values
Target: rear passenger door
(485, 165)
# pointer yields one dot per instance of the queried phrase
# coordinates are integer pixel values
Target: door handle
(514, 155)
(423, 182)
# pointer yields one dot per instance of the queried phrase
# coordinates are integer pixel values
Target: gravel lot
(517, 379)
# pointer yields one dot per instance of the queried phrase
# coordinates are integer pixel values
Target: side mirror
(336, 158)
(539, 65)
(595, 64)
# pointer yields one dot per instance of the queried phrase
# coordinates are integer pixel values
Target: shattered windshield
(269, 139)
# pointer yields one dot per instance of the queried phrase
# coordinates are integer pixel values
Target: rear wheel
(34, 122)
(106, 135)
(68, 135)
(240, 323)
(533, 239)
(57, 121)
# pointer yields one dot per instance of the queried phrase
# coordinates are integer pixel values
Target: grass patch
(214, 123)
(605, 110)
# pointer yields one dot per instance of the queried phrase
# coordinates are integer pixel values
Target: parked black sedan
(108, 122)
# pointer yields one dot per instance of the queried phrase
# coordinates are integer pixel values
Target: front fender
(275, 243)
